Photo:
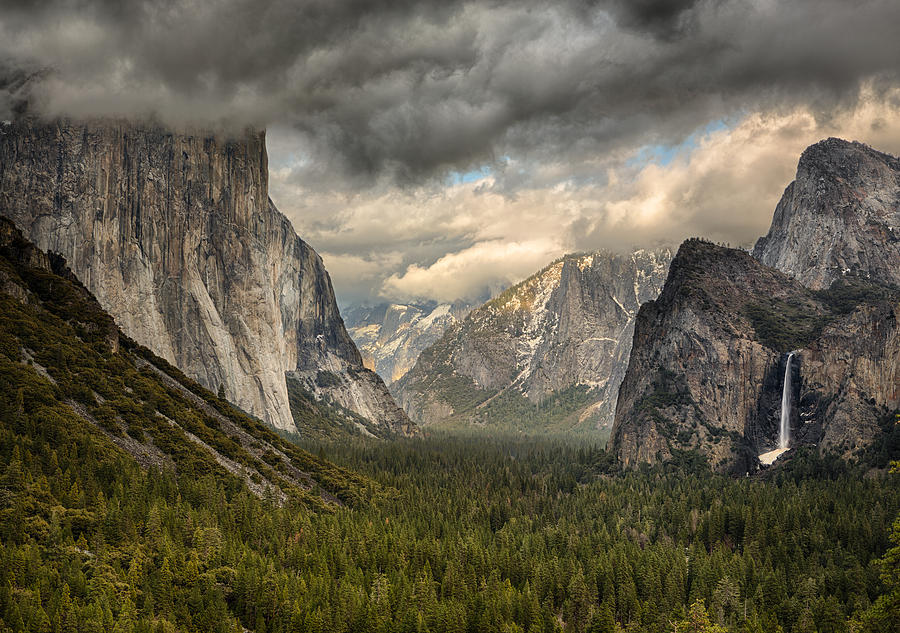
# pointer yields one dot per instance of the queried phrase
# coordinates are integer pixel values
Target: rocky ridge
(707, 365)
(176, 236)
(708, 361)
(548, 352)
(840, 216)
(390, 337)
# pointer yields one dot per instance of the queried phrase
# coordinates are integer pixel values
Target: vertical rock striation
(851, 378)
(698, 369)
(840, 220)
(175, 235)
(549, 351)
(708, 361)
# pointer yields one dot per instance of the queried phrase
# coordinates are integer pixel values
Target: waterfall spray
(784, 431)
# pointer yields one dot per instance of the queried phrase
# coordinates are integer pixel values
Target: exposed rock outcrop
(548, 352)
(78, 375)
(851, 378)
(708, 361)
(841, 216)
(390, 337)
(175, 235)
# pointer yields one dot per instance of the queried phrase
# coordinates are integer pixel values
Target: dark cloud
(415, 88)
(665, 18)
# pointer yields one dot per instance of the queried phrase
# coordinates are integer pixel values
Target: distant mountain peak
(548, 352)
(390, 336)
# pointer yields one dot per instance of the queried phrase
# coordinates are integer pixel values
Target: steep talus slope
(708, 361)
(65, 368)
(549, 351)
(390, 337)
(840, 216)
(175, 235)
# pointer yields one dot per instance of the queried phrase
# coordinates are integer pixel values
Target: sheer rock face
(840, 216)
(391, 336)
(703, 375)
(568, 326)
(175, 235)
(851, 378)
(697, 371)
(707, 365)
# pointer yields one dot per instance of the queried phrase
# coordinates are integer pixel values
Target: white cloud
(495, 265)
(452, 242)
(727, 188)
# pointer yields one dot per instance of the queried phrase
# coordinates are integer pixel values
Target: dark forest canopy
(468, 535)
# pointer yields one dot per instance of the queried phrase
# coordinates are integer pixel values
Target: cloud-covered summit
(379, 102)
(413, 87)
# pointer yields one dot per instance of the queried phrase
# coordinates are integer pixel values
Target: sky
(444, 150)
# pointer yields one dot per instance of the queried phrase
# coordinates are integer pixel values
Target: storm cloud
(417, 87)
(379, 102)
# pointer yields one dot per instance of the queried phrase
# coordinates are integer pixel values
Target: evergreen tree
(884, 616)
(697, 621)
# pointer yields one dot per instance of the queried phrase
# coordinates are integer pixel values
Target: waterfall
(784, 431)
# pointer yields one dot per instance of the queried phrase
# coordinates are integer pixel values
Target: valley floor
(461, 534)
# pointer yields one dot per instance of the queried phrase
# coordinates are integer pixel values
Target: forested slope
(117, 468)
(133, 500)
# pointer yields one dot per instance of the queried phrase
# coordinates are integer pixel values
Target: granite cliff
(840, 216)
(175, 235)
(547, 353)
(73, 377)
(707, 365)
(708, 361)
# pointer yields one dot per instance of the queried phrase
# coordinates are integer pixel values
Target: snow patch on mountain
(391, 336)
